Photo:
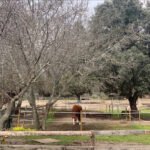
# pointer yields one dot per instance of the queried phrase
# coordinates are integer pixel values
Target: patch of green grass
(30, 137)
(66, 140)
(145, 114)
(50, 117)
(140, 127)
(116, 115)
(143, 139)
(131, 127)
(123, 126)
(63, 140)
(145, 111)
(70, 140)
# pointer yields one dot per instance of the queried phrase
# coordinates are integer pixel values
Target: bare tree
(34, 43)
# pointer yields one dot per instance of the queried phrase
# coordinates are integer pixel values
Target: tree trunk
(78, 98)
(18, 106)
(36, 118)
(133, 107)
(34, 109)
(6, 115)
(9, 109)
(48, 107)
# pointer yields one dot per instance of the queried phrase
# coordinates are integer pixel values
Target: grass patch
(63, 140)
(145, 111)
(50, 117)
(131, 127)
(145, 114)
(118, 126)
(142, 139)
(116, 115)
(71, 140)
(67, 140)
(140, 127)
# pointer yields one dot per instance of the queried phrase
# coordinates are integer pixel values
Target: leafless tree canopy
(38, 42)
(34, 33)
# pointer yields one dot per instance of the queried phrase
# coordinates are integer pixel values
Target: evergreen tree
(120, 30)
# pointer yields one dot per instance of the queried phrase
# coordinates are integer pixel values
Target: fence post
(85, 112)
(106, 108)
(32, 117)
(18, 121)
(118, 111)
(24, 116)
(112, 110)
(129, 115)
(139, 116)
(81, 125)
(109, 108)
(93, 140)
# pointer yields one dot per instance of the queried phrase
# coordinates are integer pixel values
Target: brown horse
(76, 110)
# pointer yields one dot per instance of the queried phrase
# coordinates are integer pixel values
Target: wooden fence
(91, 134)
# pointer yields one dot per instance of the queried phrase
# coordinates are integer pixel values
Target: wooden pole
(112, 107)
(106, 108)
(109, 108)
(129, 115)
(139, 116)
(85, 112)
(24, 116)
(81, 125)
(32, 117)
(18, 121)
(118, 111)
(93, 140)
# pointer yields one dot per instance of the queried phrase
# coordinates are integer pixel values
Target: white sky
(93, 4)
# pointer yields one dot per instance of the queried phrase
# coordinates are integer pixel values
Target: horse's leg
(78, 118)
(73, 121)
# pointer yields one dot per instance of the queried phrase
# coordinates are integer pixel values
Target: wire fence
(26, 116)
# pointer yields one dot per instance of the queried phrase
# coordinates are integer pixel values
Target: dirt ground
(64, 122)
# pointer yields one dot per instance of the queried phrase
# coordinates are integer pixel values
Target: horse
(76, 112)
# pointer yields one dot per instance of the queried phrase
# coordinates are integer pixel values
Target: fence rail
(25, 116)
(91, 134)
